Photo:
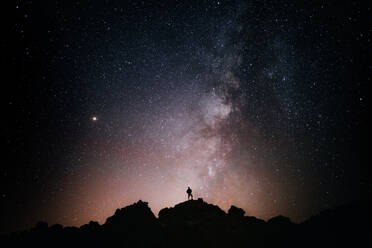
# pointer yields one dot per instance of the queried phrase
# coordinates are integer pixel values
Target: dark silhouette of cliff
(196, 223)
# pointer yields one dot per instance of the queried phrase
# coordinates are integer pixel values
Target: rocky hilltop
(196, 223)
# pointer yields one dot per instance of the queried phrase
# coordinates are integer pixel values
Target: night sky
(259, 104)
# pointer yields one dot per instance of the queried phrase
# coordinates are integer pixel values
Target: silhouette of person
(188, 191)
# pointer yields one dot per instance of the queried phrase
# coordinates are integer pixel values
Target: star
(94, 118)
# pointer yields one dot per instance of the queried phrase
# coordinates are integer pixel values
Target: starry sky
(259, 104)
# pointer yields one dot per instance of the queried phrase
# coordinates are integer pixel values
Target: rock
(236, 212)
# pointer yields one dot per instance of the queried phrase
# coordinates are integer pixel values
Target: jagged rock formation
(196, 223)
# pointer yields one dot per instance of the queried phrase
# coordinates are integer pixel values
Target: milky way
(250, 104)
